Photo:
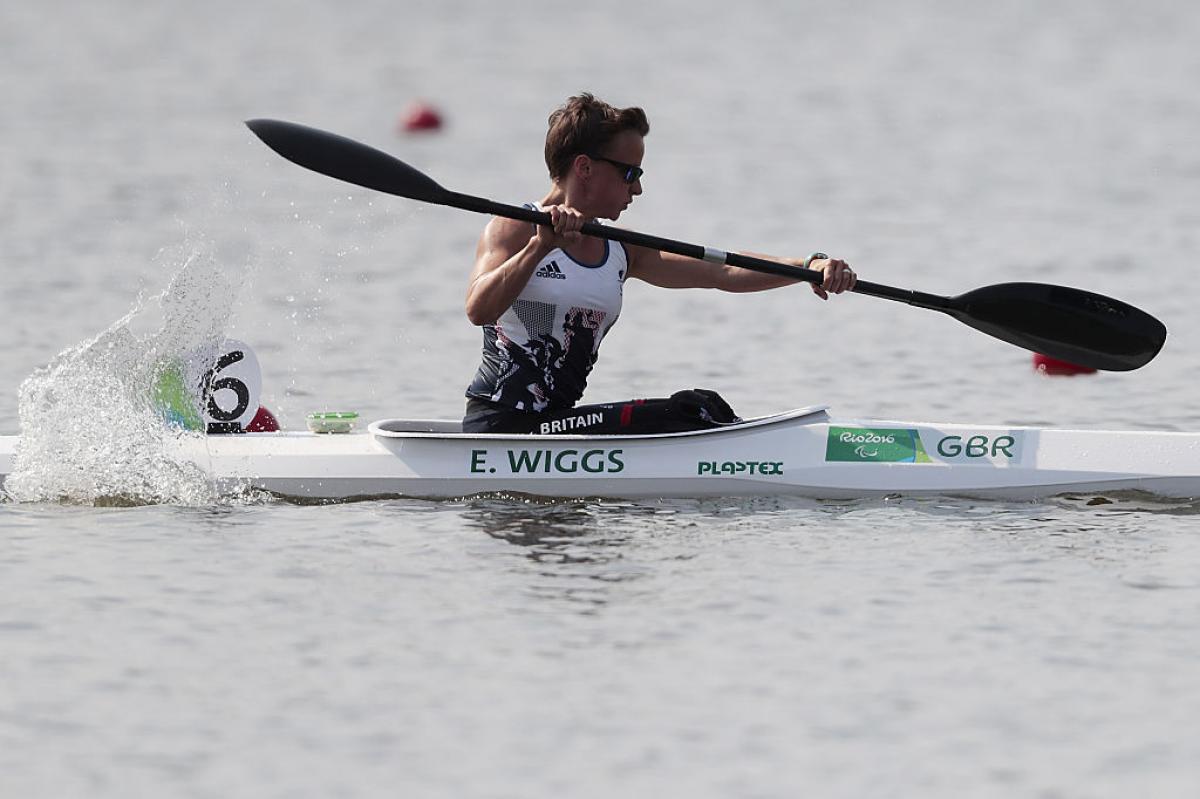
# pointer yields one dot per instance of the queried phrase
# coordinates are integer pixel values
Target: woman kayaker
(546, 296)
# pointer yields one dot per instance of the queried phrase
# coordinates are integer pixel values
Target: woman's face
(612, 169)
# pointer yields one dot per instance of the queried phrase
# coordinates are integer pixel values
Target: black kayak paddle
(1069, 324)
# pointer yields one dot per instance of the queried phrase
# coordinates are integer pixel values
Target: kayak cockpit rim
(442, 428)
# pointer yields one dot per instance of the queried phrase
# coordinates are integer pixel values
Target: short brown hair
(585, 126)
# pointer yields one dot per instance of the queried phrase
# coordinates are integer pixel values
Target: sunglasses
(629, 172)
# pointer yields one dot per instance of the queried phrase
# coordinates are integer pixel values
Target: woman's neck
(559, 195)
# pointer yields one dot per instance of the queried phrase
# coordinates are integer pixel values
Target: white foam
(90, 432)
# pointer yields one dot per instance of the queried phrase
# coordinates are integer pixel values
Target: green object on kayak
(332, 421)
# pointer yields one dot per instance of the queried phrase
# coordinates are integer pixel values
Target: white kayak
(804, 452)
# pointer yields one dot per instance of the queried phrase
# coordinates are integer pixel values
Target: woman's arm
(672, 271)
(507, 254)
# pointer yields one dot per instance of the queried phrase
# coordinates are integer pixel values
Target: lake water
(215, 646)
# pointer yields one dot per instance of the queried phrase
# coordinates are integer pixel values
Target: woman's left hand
(837, 277)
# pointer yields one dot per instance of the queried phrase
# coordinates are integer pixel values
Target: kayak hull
(802, 453)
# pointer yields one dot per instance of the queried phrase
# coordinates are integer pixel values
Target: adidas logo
(551, 270)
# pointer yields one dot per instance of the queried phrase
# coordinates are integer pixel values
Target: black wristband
(816, 256)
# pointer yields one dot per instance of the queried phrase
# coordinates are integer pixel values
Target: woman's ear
(582, 165)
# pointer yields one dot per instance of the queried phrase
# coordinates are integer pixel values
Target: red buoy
(421, 117)
(1053, 366)
(263, 422)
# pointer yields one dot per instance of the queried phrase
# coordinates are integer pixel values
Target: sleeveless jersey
(538, 354)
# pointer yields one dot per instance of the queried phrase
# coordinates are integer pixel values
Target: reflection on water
(576, 544)
(1118, 502)
(550, 526)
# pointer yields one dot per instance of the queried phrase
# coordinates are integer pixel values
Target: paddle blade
(346, 159)
(1068, 324)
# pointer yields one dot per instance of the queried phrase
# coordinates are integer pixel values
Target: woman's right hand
(564, 230)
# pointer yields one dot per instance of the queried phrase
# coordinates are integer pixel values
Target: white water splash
(90, 430)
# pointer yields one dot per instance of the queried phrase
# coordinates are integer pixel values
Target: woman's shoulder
(501, 230)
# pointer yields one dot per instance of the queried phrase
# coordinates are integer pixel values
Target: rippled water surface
(218, 646)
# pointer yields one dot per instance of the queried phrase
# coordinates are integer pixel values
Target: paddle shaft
(480, 205)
